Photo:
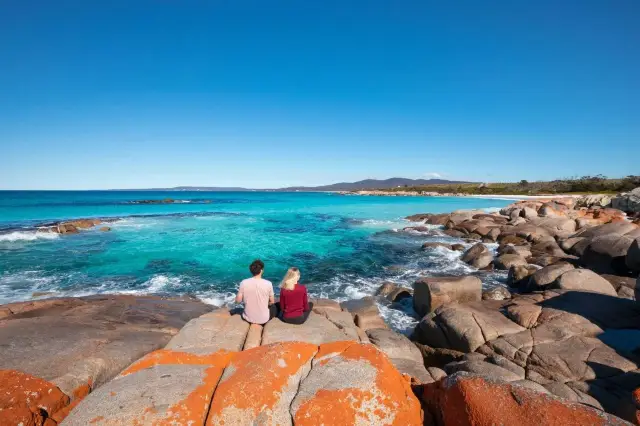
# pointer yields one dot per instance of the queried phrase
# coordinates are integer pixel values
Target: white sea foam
(15, 286)
(135, 223)
(156, 284)
(398, 319)
(28, 236)
(216, 299)
(492, 209)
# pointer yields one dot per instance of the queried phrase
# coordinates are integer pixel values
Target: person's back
(257, 295)
(294, 303)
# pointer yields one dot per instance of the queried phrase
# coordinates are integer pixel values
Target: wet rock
(497, 293)
(454, 233)
(457, 247)
(435, 245)
(417, 228)
(430, 293)
(421, 217)
(584, 280)
(365, 312)
(478, 256)
(393, 292)
(105, 229)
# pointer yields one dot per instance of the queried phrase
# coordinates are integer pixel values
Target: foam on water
(28, 236)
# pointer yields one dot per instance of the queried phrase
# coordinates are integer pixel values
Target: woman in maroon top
(294, 304)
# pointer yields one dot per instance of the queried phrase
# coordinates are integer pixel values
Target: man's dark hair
(256, 267)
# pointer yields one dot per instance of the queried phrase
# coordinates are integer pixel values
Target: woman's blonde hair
(290, 279)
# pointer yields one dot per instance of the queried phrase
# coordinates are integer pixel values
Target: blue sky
(130, 94)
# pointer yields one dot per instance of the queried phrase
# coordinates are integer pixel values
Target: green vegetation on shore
(583, 185)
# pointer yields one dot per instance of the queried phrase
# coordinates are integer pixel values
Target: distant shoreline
(380, 193)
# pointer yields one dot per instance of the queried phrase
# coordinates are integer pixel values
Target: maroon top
(294, 303)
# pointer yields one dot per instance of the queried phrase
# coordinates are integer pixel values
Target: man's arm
(239, 296)
(272, 298)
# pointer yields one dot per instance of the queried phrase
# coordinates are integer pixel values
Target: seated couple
(259, 301)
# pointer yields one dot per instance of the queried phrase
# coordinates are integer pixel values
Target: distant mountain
(342, 186)
(371, 184)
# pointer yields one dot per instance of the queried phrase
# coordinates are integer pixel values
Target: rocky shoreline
(627, 201)
(561, 346)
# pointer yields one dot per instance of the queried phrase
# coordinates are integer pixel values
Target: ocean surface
(202, 244)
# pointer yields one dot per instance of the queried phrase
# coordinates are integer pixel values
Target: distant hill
(342, 186)
(372, 184)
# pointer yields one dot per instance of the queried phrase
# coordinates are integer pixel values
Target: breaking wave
(27, 236)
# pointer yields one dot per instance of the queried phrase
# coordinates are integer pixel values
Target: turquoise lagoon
(202, 243)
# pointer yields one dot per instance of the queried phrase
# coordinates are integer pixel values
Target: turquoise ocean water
(201, 244)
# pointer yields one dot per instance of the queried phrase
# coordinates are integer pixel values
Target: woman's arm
(305, 299)
(283, 300)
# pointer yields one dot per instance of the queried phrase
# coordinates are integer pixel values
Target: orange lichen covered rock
(258, 385)
(163, 388)
(28, 400)
(466, 400)
(357, 386)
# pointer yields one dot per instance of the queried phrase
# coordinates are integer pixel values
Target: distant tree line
(584, 184)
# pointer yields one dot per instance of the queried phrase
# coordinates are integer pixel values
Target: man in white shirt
(257, 295)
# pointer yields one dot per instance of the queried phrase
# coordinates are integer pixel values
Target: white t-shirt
(255, 294)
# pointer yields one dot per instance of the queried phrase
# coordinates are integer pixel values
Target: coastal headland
(560, 345)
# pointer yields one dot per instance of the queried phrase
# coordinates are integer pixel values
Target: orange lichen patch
(24, 397)
(96, 419)
(193, 409)
(388, 400)
(475, 401)
(59, 415)
(167, 356)
(82, 390)
(256, 382)
(20, 414)
(326, 350)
